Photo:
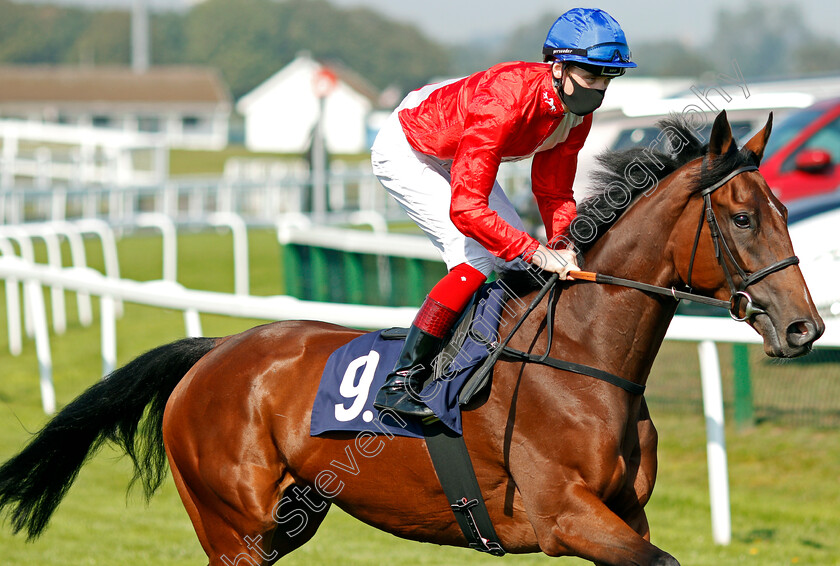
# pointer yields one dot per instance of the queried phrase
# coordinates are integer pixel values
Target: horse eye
(741, 220)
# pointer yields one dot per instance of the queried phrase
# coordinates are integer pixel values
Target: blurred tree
(104, 41)
(762, 38)
(168, 42)
(38, 34)
(386, 53)
(669, 58)
(523, 44)
(249, 40)
(821, 55)
(243, 39)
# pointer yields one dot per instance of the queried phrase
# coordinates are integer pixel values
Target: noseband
(723, 252)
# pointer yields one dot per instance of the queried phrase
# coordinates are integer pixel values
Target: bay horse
(566, 462)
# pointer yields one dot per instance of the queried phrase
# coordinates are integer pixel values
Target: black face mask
(583, 100)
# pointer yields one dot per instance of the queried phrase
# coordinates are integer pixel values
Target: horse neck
(613, 328)
(638, 245)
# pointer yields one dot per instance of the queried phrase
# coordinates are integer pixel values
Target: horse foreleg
(629, 503)
(586, 527)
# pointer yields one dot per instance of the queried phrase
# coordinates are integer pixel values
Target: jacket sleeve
(491, 118)
(552, 177)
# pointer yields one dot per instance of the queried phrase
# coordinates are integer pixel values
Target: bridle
(722, 253)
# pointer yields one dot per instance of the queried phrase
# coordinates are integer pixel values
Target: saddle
(464, 329)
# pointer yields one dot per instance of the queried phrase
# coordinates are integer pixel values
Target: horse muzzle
(781, 340)
(786, 339)
(802, 333)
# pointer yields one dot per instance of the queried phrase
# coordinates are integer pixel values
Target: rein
(669, 292)
(502, 349)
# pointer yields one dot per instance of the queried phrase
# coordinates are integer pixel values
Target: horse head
(733, 244)
(701, 217)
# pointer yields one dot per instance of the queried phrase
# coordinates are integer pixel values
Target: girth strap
(457, 478)
(502, 349)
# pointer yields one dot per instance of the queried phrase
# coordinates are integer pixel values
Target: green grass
(784, 480)
(207, 162)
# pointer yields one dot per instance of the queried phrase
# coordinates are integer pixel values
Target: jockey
(439, 152)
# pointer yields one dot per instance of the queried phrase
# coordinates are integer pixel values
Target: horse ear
(759, 141)
(721, 138)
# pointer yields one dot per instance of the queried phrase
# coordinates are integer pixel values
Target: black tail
(33, 483)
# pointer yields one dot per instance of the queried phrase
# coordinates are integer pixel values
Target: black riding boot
(413, 368)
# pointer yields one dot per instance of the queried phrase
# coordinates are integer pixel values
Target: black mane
(625, 174)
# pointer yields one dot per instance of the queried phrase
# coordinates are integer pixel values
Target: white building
(281, 113)
(189, 106)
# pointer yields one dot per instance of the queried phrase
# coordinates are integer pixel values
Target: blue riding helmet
(591, 37)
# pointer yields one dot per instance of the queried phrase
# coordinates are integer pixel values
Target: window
(191, 123)
(101, 121)
(826, 138)
(788, 129)
(148, 123)
(649, 136)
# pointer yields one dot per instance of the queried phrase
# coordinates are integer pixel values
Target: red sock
(447, 299)
(458, 286)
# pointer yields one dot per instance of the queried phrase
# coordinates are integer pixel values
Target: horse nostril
(801, 332)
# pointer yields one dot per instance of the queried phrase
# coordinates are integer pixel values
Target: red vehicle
(802, 156)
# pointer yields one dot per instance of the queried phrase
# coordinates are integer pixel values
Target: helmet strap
(558, 82)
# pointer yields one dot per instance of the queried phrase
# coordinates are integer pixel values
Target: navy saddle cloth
(356, 371)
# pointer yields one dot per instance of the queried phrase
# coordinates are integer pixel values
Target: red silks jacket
(506, 113)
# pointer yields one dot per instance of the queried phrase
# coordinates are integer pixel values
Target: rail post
(744, 413)
(715, 442)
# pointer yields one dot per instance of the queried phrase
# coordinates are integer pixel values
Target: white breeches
(421, 185)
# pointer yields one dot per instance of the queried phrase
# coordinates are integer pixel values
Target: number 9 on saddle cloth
(355, 372)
